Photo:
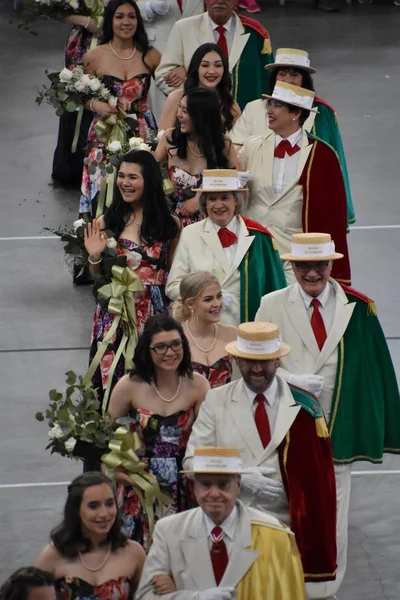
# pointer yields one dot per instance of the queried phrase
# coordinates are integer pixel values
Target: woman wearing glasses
(160, 398)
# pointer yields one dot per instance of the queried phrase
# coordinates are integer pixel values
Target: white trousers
(327, 589)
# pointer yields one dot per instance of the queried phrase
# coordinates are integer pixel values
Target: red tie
(317, 324)
(226, 237)
(180, 5)
(285, 147)
(262, 420)
(222, 43)
(219, 554)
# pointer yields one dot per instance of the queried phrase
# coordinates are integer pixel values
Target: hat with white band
(293, 94)
(221, 180)
(291, 57)
(216, 460)
(258, 341)
(312, 247)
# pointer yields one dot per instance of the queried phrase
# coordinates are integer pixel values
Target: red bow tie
(285, 147)
(226, 237)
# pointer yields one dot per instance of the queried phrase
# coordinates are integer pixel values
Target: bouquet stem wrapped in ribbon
(120, 294)
(123, 449)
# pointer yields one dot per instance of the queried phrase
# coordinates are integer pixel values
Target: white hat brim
(232, 349)
(272, 66)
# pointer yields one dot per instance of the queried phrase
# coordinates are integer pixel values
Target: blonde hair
(190, 288)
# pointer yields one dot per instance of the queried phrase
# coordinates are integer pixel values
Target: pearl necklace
(204, 350)
(193, 152)
(94, 570)
(168, 400)
(122, 57)
(132, 220)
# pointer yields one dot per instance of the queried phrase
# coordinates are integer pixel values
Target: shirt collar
(323, 297)
(228, 526)
(294, 139)
(270, 394)
(228, 24)
(232, 226)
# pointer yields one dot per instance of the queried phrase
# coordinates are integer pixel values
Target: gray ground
(45, 321)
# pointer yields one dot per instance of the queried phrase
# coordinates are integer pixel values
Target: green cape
(365, 416)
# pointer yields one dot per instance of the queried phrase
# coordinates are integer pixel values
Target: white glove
(311, 383)
(255, 481)
(244, 177)
(156, 7)
(218, 593)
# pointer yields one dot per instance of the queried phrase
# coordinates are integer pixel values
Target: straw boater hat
(258, 341)
(291, 57)
(221, 180)
(293, 94)
(312, 247)
(216, 460)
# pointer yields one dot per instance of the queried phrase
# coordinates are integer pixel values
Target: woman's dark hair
(144, 366)
(307, 83)
(158, 225)
(224, 88)
(20, 583)
(205, 112)
(68, 536)
(304, 112)
(140, 38)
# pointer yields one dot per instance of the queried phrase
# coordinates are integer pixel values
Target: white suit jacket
(200, 249)
(254, 121)
(226, 419)
(180, 547)
(159, 28)
(286, 309)
(186, 36)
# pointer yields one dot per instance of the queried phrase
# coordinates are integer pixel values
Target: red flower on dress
(146, 274)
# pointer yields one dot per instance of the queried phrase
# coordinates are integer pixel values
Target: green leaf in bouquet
(71, 106)
(72, 248)
(60, 111)
(71, 378)
(48, 414)
(91, 428)
(114, 160)
(63, 415)
(62, 96)
(39, 416)
(69, 391)
(53, 395)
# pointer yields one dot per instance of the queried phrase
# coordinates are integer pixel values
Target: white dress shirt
(229, 31)
(228, 527)
(230, 251)
(271, 402)
(326, 308)
(285, 169)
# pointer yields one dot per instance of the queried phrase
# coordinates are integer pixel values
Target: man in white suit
(244, 41)
(284, 444)
(222, 550)
(340, 355)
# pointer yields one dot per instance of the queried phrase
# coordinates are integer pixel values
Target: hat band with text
(221, 183)
(220, 464)
(293, 59)
(313, 250)
(258, 346)
(291, 97)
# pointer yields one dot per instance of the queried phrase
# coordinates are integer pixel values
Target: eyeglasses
(162, 349)
(305, 267)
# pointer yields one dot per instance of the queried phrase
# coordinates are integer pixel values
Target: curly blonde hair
(190, 288)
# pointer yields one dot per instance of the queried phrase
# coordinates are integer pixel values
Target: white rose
(144, 147)
(79, 86)
(94, 84)
(132, 143)
(77, 224)
(70, 444)
(65, 75)
(133, 260)
(74, 4)
(113, 101)
(56, 432)
(115, 146)
(111, 243)
(104, 92)
(86, 79)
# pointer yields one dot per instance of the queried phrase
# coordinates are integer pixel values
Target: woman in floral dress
(146, 234)
(160, 400)
(191, 147)
(125, 62)
(89, 556)
(199, 308)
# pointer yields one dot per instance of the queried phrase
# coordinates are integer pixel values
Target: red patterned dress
(75, 588)
(132, 98)
(150, 264)
(218, 373)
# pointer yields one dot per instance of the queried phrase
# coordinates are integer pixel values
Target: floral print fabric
(74, 588)
(183, 183)
(164, 441)
(218, 373)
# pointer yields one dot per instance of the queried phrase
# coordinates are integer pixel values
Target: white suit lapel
(210, 237)
(239, 41)
(206, 31)
(243, 244)
(240, 410)
(196, 552)
(343, 312)
(298, 315)
(241, 558)
(287, 412)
